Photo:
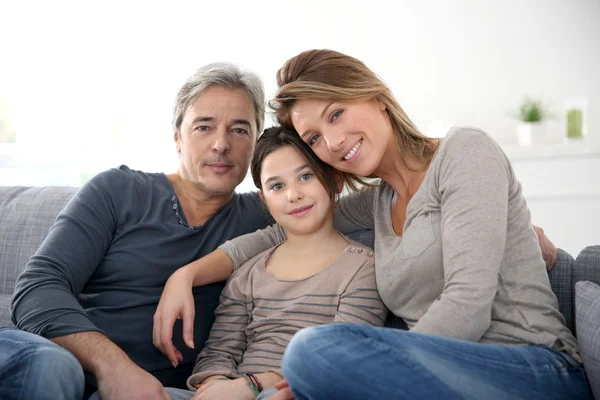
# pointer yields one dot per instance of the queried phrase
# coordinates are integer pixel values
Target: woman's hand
(176, 302)
(549, 252)
(235, 389)
(283, 391)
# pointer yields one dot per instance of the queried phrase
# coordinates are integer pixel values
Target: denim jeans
(32, 367)
(181, 394)
(348, 361)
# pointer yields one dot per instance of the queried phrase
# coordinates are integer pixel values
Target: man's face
(216, 140)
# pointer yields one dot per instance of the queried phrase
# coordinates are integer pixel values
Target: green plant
(531, 110)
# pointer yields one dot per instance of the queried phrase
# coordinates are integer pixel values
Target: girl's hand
(236, 389)
(283, 391)
(176, 302)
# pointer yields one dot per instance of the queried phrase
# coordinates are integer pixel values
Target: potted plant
(531, 128)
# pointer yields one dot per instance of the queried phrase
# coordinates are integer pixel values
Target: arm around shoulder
(244, 247)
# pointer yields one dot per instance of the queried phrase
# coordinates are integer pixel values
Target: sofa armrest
(561, 281)
(587, 265)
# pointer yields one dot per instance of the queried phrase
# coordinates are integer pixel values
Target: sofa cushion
(26, 215)
(587, 315)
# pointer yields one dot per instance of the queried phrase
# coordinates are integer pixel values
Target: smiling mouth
(300, 211)
(353, 151)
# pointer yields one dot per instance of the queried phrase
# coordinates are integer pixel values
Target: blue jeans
(182, 394)
(348, 361)
(32, 367)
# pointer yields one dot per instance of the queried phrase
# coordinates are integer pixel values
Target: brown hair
(278, 137)
(333, 76)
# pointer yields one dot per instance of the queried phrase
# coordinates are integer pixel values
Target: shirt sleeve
(223, 351)
(355, 211)
(243, 248)
(360, 302)
(45, 297)
(473, 183)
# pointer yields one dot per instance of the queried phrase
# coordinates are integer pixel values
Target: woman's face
(352, 137)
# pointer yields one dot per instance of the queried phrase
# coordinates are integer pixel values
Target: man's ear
(339, 181)
(177, 139)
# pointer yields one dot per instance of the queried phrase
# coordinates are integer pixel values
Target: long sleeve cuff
(196, 379)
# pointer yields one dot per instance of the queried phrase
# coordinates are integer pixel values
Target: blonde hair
(333, 76)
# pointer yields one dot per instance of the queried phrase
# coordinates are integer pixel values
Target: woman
(456, 255)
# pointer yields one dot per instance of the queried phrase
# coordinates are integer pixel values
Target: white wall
(94, 82)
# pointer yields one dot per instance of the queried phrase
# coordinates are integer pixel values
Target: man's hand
(549, 252)
(236, 389)
(283, 391)
(130, 382)
(176, 302)
(118, 377)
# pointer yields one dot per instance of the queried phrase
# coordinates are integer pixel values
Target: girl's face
(352, 137)
(293, 193)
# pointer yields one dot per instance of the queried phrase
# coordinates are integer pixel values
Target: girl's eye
(305, 177)
(313, 139)
(336, 115)
(276, 186)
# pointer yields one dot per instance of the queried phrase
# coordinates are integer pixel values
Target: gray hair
(222, 74)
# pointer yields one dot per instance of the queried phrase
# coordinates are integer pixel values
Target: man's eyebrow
(322, 116)
(277, 177)
(211, 119)
(242, 122)
(202, 119)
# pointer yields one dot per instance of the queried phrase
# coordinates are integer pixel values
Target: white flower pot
(529, 133)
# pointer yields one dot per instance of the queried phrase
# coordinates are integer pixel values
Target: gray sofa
(27, 213)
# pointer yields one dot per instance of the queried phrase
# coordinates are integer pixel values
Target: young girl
(317, 276)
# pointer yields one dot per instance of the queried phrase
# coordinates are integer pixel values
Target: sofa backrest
(26, 215)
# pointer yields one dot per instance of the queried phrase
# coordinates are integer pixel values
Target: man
(94, 284)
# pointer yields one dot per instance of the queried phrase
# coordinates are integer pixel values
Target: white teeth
(352, 152)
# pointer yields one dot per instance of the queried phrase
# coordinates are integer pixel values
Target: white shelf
(550, 152)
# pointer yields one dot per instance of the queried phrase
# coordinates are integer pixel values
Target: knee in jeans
(298, 350)
(306, 342)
